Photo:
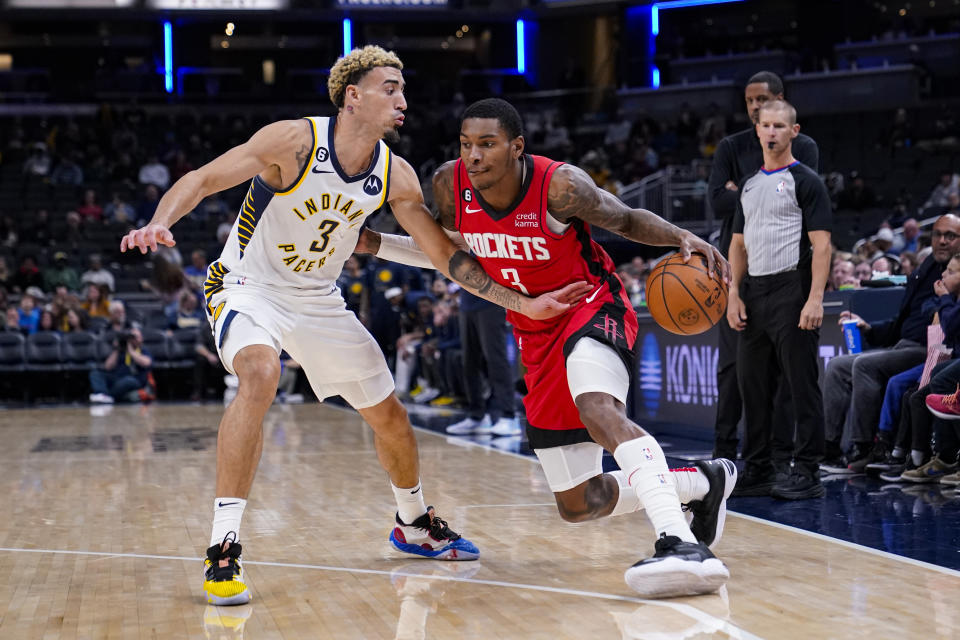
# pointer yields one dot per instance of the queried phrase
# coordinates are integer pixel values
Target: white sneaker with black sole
(677, 568)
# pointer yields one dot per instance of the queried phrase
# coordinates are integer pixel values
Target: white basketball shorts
(337, 353)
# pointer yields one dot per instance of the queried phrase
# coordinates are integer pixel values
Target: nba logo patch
(780, 187)
(647, 453)
(662, 478)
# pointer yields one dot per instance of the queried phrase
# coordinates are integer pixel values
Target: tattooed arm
(574, 195)
(278, 153)
(406, 201)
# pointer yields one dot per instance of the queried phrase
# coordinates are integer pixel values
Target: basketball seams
(695, 300)
(651, 282)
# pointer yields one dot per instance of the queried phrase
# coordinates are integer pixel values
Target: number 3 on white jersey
(511, 276)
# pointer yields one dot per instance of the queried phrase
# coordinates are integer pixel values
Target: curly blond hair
(351, 68)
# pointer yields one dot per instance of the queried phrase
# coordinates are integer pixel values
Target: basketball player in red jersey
(526, 218)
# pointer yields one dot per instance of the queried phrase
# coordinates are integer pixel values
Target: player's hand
(554, 303)
(716, 263)
(368, 242)
(811, 316)
(736, 313)
(846, 316)
(147, 237)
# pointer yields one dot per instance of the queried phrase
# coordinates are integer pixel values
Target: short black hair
(773, 81)
(498, 109)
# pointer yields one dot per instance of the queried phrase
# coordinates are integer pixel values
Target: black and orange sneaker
(223, 575)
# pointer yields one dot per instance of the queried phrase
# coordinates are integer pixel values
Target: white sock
(628, 502)
(410, 504)
(917, 456)
(690, 483)
(897, 452)
(227, 513)
(645, 466)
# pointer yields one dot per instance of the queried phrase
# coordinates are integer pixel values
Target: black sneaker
(888, 464)
(710, 513)
(677, 568)
(877, 453)
(799, 486)
(754, 483)
(223, 579)
(836, 466)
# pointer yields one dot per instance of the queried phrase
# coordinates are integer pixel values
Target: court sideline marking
(819, 536)
(685, 609)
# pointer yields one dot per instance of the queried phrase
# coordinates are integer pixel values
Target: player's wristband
(404, 250)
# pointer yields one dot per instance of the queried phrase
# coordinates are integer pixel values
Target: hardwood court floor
(104, 518)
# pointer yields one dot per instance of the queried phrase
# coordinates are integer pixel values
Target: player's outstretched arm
(283, 146)
(573, 194)
(406, 201)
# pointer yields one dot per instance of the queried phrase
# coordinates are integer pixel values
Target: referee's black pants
(772, 345)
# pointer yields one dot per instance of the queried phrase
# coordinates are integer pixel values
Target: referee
(737, 157)
(780, 259)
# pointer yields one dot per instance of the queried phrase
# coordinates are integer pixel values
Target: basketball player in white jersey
(314, 182)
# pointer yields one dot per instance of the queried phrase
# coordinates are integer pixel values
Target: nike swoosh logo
(226, 504)
(315, 170)
(593, 295)
(415, 492)
(469, 210)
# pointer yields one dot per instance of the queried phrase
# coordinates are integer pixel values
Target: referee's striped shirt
(775, 212)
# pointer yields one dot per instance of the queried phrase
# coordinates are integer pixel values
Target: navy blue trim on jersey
(363, 175)
(258, 197)
(510, 210)
(773, 171)
(226, 324)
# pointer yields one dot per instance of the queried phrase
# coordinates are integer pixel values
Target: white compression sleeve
(404, 250)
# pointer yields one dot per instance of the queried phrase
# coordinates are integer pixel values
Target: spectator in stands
(224, 228)
(953, 203)
(61, 274)
(96, 274)
(213, 207)
(437, 349)
(38, 162)
(118, 317)
(353, 284)
(291, 373)
(415, 327)
(119, 210)
(28, 275)
(186, 312)
(47, 321)
(857, 195)
(196, 271)
(12, 319)
(862, 270)
(907, 239)
(74, 235)
(38, 230)
(67, 172)
(71, 320)
(207, 369)
(939, 197)
(96, 302)
(148, 203)
(180, 166)
(841, 274)
(125, 374)
(154, 172)
(29, 310)
(908, 263)
(881, 267)
(6, 277)
(89, 209)
(8, 232)
(854, 384)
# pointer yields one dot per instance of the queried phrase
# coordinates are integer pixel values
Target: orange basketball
(682, 298)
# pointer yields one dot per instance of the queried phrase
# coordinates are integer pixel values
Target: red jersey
(517, 248)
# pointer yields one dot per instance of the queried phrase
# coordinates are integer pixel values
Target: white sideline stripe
(851, 545)
(820, 536)
(685, 609)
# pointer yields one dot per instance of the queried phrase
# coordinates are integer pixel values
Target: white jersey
(297, 240)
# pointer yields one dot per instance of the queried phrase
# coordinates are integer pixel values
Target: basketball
(682, 298)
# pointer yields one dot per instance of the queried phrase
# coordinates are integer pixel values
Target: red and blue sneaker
(430, 537)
